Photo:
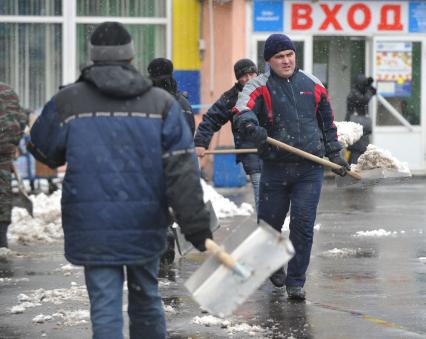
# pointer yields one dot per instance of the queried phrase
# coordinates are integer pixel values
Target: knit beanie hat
(160, 68)
(244, 66)
(111, 41)
(275, 44)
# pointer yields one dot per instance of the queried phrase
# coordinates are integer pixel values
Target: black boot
(278, 277)
(3, 234)
(169, 256)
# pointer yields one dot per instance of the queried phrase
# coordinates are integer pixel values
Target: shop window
(405, 99)
(300, 49)
(125, 8)
(32, 7)
(31, 60)
(149, 42)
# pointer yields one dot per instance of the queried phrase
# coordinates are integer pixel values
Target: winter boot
(169, 256)
(278, 277)
(3, 235)
(295, 293)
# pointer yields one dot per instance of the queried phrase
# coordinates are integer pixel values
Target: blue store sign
(417, 12)
(268, 16)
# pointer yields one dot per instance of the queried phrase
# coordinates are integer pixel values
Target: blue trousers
(105, 289)
(297, 185)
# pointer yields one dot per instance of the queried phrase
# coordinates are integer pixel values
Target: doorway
(337, 60)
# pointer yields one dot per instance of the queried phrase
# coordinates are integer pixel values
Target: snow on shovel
(233, 272)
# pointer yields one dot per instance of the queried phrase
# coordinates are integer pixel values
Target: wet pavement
(361, 283)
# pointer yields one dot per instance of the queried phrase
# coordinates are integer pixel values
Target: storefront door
(399, 118)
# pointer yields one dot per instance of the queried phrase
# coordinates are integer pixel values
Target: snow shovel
(25, 201)
(184, 246)
(310, 156)
(232, 151)
(233, 272)
(373, 177)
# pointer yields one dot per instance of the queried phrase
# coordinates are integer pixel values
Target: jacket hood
(121, 80)
(360, 81)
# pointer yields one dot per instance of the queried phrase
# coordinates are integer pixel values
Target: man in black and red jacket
(220, 113)
(291, 106)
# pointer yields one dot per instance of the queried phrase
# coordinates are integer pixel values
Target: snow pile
(56, 296)
(209, 320)
(348, 132)
(68, 318)
(224, 207)
(68, 269)
(5, 253)
(376, 233)
(46, 224)
(375, 157)
(422, 260)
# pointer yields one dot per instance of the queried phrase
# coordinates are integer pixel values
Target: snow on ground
(378, 233)
(375, 157)
(209, 320)
(349, 252)
(46, 225)
(286, 225)
(68, 318)
(348, 132)
(224, 207)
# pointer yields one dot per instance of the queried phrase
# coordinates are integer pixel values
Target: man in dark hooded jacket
(161, 74)
(220, 113)
(357, 111)
(129, 156)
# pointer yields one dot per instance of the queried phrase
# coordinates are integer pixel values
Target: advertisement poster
(394, 68)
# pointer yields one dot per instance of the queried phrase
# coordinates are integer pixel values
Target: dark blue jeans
(297, 185)
(105, 288)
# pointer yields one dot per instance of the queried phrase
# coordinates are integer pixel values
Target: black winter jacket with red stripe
(296, 111)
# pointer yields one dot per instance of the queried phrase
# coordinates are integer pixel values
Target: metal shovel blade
(376, 176)
(184, 246)
(258, 249)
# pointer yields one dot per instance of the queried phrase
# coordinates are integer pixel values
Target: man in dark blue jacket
(129, 156)
(292, 106)
(220, 113)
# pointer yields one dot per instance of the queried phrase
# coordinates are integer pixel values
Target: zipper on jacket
(297, 112)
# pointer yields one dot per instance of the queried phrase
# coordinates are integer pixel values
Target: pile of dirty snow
(375, 157)
(224, 207)
(348, 132)
(46, 225)
(67, 318)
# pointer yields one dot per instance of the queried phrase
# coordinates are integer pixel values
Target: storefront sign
(417, 17)
(346, 17)
(394, 68)
(268, 16)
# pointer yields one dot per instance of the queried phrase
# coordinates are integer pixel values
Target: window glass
(149, 42)
(31, 60)
(408, 103)
(128, 8)
(31, 7)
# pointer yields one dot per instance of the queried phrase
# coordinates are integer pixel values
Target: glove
(337, 159)
(256, 133)
(373, 90)
(198, 239)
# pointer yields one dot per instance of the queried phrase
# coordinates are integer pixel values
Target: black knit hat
(244, 66)
(277, 43)
(160, 68)
(111, 41)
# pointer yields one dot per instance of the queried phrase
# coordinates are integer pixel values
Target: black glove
(198, 239)
(373, 90)
(337, 159)
(256, 133)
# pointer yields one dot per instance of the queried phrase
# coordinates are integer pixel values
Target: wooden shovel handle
(220, 254)
(232, 151)
(309, 156)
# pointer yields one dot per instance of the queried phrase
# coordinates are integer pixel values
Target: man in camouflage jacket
(12, 124)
